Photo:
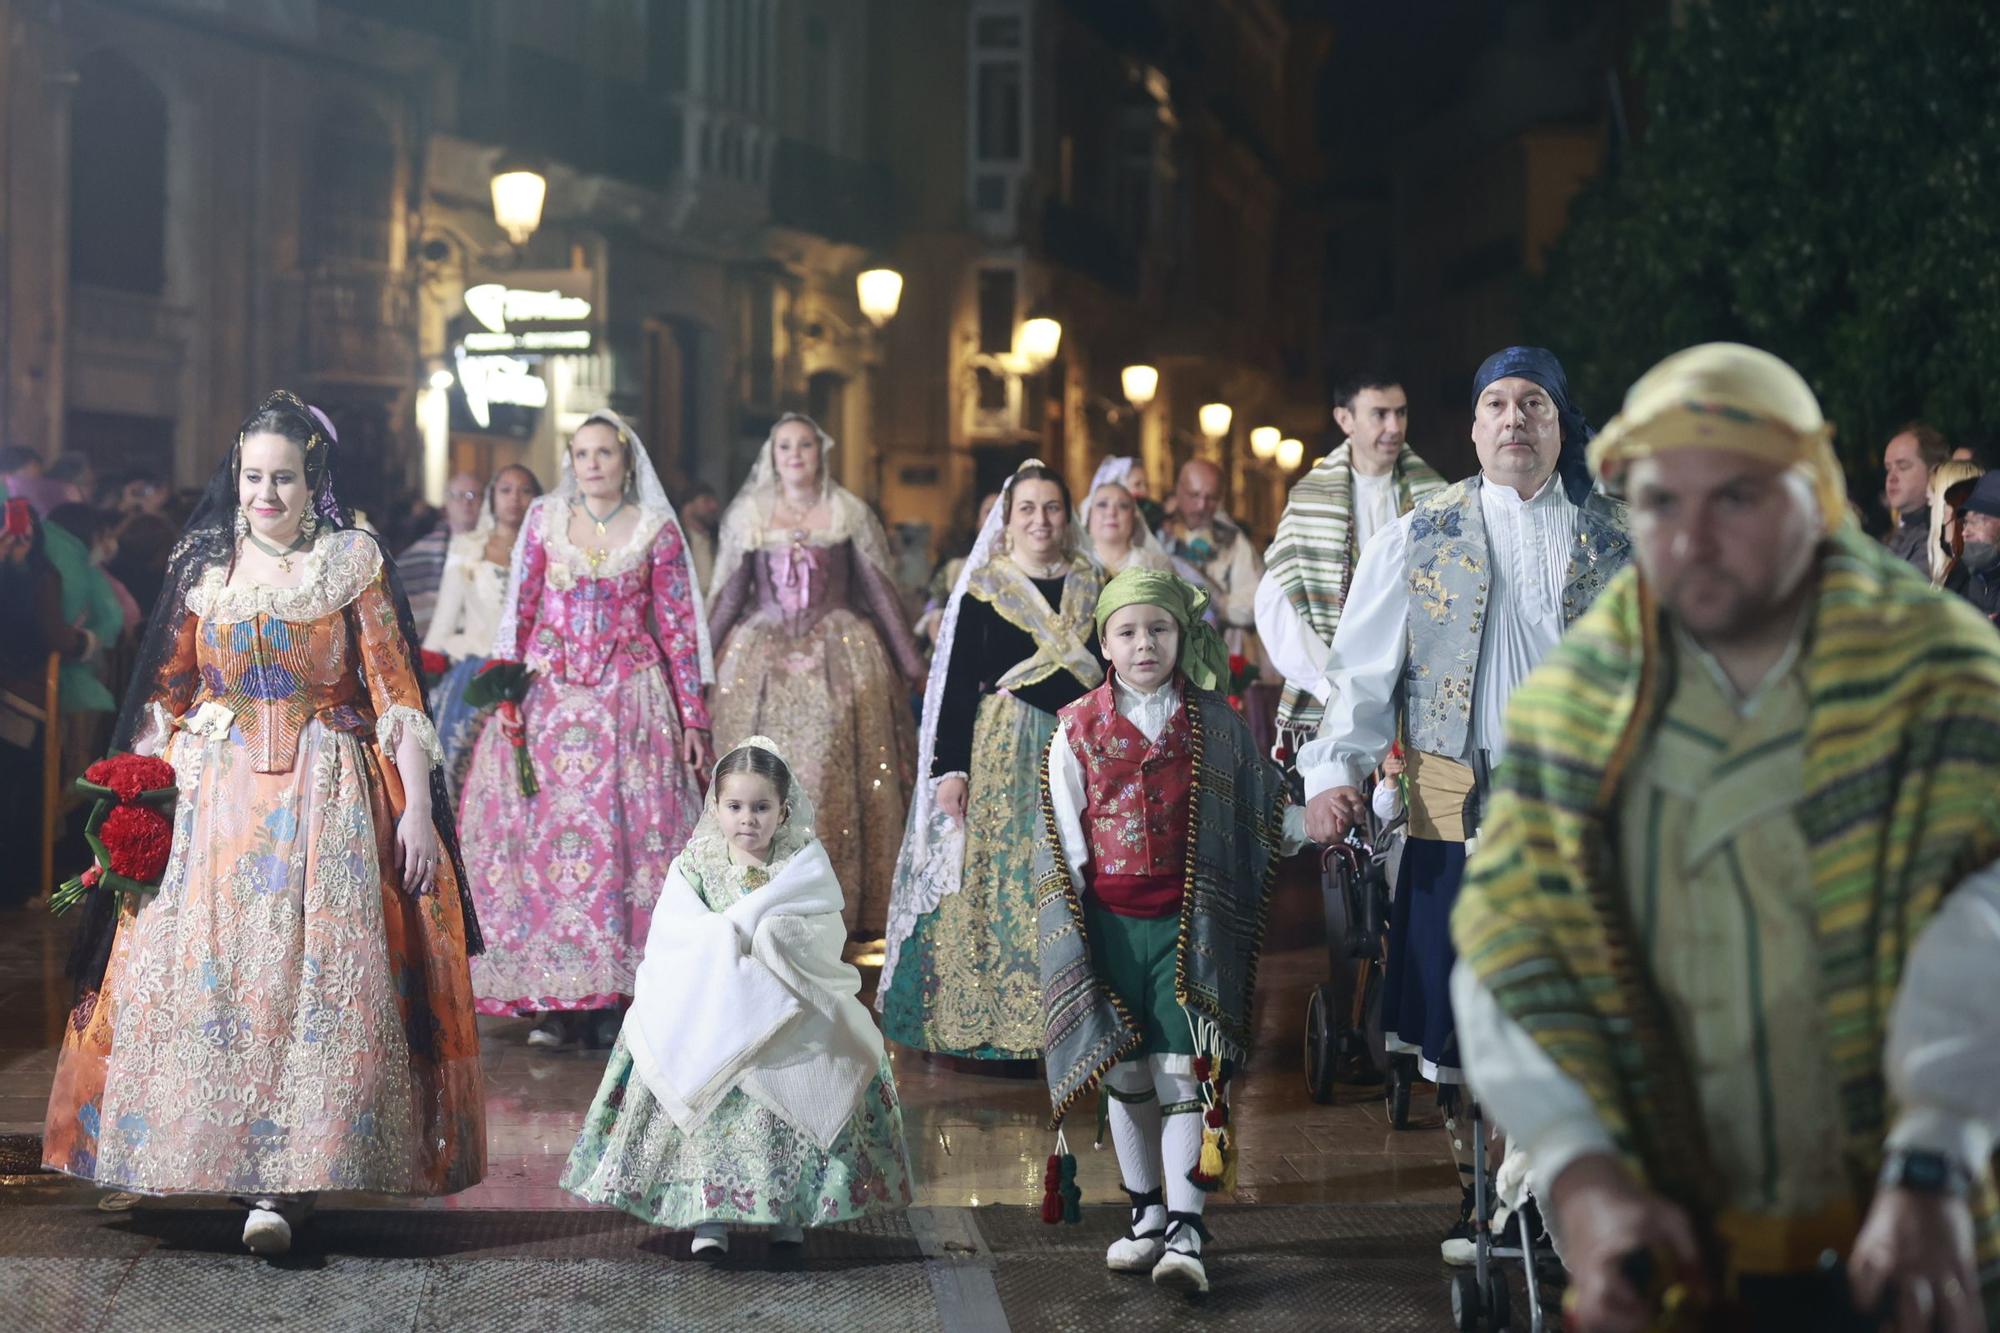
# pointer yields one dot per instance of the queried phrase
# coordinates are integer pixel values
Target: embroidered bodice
(1136, 790)
(797, 584)
(258, 663)
(582, 617)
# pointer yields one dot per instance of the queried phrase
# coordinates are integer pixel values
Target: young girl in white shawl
(748, 1085)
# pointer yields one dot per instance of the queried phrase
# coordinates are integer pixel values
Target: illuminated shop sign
(543, 310)
(506, 381)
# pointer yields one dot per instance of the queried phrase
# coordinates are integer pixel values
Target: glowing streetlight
(1215, 419)
(519, 191)
(1037, 341)
(1264, 443)
(1291, 453)
(1140, 383)
(880, 291)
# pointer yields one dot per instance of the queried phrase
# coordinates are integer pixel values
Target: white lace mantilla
(341, 563)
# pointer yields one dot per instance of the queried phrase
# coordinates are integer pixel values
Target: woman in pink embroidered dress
(603, 609)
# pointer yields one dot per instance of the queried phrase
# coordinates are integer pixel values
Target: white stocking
(1180, 1150)
(1134, 1114)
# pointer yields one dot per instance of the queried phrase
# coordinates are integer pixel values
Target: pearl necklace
(1054, 570)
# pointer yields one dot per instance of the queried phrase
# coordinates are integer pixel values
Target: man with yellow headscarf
(1727, 947)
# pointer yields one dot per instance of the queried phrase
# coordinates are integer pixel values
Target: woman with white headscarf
(1115, 532)
(816, 653)
(470, 595)
(603, 610)
(960, 972)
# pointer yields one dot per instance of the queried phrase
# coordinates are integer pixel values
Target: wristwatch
(1922, 1171)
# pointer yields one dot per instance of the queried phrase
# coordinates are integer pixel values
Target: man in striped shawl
(1728, 941)
(1366, 484)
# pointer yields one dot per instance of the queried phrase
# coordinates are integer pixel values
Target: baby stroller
(1344, 1013)
(1480, 1295)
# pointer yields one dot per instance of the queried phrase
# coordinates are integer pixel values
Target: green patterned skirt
(742, 1165)
(967, 982)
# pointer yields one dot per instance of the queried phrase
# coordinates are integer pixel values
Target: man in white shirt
(1729, 936)
(1451, 607)
(1363, 486)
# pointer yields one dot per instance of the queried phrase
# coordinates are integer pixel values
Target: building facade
(207, 198)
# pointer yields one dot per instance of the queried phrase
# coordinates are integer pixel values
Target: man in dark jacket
(1975, 575)
(1907, 461)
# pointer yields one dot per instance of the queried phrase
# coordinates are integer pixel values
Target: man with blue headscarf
(1450, 608)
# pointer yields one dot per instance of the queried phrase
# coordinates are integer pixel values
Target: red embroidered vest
(1136, 798)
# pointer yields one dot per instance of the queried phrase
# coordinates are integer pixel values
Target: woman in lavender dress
(816, 654)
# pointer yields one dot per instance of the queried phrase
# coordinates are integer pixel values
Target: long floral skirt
(743, 1164)
(458, 723)
(968, 980)
(280, 1017)
(565, 880)
(836, 708)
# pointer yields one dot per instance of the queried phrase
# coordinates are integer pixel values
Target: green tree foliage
(1816, 177)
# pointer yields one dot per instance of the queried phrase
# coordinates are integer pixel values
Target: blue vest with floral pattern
(1446, 569)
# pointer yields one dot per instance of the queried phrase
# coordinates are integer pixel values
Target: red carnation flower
(138, 840)
(1237, 662)
(432, 663)
(128, 775)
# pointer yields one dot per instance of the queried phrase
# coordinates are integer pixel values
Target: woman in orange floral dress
(291, 1012)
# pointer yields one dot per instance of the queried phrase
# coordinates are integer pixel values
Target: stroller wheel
(1498, 1316)
(1322, 1044)
(1464, 1300)
(1402, 1074)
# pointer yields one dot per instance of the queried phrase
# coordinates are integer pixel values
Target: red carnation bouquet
(131, 831)
(433, 665)
(1243, 674)
(504, 683)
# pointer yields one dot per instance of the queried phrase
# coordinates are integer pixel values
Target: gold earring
(242, 523)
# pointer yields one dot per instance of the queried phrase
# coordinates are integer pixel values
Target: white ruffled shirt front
(1529, 543)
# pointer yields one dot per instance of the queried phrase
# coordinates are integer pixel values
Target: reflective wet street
(1333, 1223)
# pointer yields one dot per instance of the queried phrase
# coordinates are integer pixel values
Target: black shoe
(602, 1028)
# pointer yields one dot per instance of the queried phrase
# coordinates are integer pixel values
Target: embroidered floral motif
(1429, 522)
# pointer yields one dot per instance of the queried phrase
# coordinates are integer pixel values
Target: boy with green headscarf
(1163, 826)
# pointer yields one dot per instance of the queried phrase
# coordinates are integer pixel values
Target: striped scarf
(1900, 805)
(1312, 558)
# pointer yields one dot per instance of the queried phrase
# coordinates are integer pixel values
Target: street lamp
(1037, 341)
(519, 190)
(1291, 453)
(880, 291)
(1140, 383)
(1264, 443)
(1215, 419)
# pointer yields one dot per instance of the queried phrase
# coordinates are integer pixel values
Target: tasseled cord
(1062, 1198)
(1216, 1167)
